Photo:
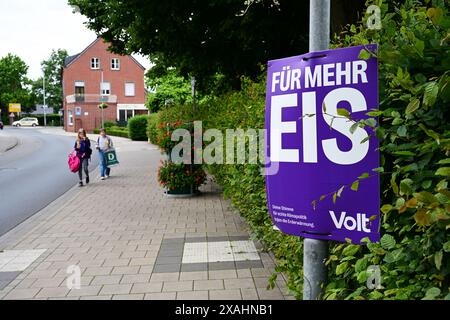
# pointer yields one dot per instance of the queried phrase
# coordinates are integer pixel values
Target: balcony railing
(91, 98)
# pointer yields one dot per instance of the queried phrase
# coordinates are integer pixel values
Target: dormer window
(95, 63)
(115, 64)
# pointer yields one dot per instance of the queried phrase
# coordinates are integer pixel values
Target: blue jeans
(103, 166)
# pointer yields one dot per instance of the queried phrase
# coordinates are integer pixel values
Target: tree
(203, 37)
(168, 88)
(14, 85)
(52, 69)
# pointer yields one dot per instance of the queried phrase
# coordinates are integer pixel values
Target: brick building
(97, 76)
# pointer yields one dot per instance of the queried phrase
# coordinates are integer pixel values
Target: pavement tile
(109, 279)
(161, 296)
(135, 278)
(192, 295)
(169, 286)
(225, 294)
(153, 286)
(115, 289)
(208, 285)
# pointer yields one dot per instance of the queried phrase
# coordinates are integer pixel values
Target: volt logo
(359, 224)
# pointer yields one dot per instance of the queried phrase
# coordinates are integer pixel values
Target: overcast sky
(32, 28)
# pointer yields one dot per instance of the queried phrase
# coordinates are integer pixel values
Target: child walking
(84, 151)
(104, 143)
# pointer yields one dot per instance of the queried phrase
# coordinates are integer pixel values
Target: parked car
(26, 122)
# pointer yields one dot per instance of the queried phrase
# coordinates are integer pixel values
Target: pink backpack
(74, 162)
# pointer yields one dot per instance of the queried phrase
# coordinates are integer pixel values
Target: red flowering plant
(180, 176)
(166, 129)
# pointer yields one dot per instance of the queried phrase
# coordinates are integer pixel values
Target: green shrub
(152, 127)
(109, 124)
(137, 128)
(414, 80)
(115, 131)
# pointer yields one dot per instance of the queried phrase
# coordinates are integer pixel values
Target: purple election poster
(311, 151)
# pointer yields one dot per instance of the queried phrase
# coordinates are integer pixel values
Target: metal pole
(45, 113)
(101, 98)
(316, 251)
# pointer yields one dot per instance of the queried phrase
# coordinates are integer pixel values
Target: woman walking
(84, 151)
(104, 143)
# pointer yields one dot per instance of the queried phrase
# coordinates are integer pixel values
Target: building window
(70, 117)
(106, 89)
(79, 91)
(129, 89)
(115, 64)
(95, 63)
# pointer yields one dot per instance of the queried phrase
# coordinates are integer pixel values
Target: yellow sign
(15, 107)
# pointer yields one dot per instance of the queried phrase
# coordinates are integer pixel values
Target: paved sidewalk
(129, 241)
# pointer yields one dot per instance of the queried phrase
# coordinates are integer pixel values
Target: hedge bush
(115, 131)
(152, 127)
(414, 79)
(137, 128)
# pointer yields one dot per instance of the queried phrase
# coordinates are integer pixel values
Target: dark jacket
(85, 150)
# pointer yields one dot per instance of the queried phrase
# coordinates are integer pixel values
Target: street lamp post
(101, 97)
(44, 106)
(316, 251)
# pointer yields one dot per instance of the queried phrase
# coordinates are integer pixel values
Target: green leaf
(386, 208)
(387, 242)
(444, 161)
(401, 131)
(406, 187)
(443, 171)
(343, 112)
(364, 54)
(371, 122)
(354, 127)
(446, 246)
(341, 268)
(432, 293)
(413, 106)
(334, 197)
(355, 185)
(364, 175)
(350, 250)
(431, 92)
(394, 184)
(438, 259)
(403, 153)
(426, 197)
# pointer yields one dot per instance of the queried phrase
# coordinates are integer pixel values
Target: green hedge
(414, 79)
(115, 131)
(137, 128)
(152, 127)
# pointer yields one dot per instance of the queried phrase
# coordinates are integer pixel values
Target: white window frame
(134, 89)
(95, 63)
(70, 117)
(115, 64)
(106, 92)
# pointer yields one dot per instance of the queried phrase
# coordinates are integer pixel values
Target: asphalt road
(34, 174)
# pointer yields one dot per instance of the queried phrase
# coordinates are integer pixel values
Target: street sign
(314, 150)
(15, 107)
